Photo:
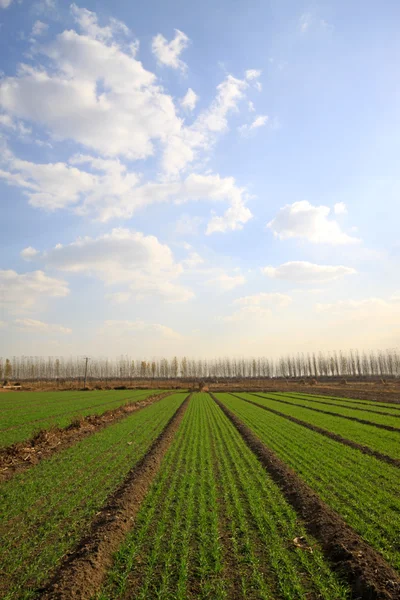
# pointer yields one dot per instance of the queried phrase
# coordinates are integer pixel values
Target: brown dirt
(333, 436)
(368, 574)
(23, 455)
(334, 414)
(82, 572)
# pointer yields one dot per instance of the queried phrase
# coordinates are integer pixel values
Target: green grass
(214, 525)
(384, 441)
(362, 489)
(24, 413)
(45, 511)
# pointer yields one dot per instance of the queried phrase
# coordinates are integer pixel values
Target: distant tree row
(384, 363)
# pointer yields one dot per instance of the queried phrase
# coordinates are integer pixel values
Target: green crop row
(46, 510)
(214, 525)
(19, 424)
(392, 421)
(370, 404)
(362, 489)
(386, 442)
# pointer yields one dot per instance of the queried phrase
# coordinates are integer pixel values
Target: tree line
(384, 364)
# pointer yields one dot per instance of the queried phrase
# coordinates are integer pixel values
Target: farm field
(24, 413)
(384, 441)
(174, 502)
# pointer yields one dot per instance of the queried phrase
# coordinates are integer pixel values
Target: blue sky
(198, 178)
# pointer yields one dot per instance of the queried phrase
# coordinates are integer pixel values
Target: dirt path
(333, 436)
(23, 455)
(370, 577)
(82, 573)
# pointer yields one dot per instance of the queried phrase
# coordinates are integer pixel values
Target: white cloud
(39, 28)
(258, 306)
(225, 282)
(110, 191)
(183, 144)
(126, 257)
(190, 99)
(167, 53)
(251, 106)
(303, 271)
(340, 208)
(91, 89)
(94, 93)
(252, 74)
(32, 325)
(258, 122)
(193, 260)
(25, 290)
(152, 329)
(5, 3)
(303, 220)
(29, 253)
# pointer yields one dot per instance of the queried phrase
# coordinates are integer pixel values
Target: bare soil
(368, 574)
(21, 456)
(325, 432)
(82, 572)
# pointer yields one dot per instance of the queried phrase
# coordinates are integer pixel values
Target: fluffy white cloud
(127, 257)
(303, 220)
(258, 306)
(32, 325)
(152, 329)
(93, 93)
(39, 28)
(183, 145)
(24, 290)
(167, 53)
(29, 253)
(189, 100)
(251, 74)
(5, 3)
(92, 90)
(258, 122)
(89, 24)
(303, 271)
(110, 191)
(225, 282)
(340, 208)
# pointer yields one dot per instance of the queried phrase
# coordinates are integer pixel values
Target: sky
(201, 179)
